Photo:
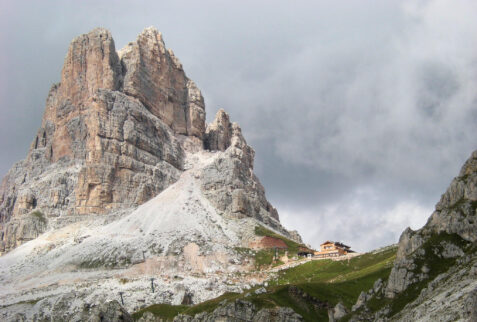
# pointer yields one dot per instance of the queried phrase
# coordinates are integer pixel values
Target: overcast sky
(360, 112)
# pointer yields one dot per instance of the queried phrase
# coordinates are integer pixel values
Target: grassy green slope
(331, 282)
(324, 283)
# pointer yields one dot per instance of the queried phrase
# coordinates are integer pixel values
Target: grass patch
(347, 291)
(263, 258)
(39, 216)
(94, 263)
(309, 310)
(165, 311)
(168, 311)
(243, 251)
(330, 290)
(30, 302)
(266, 257)
(123, 280)
(101, 262)
(330, 282)
(330, 271)
(293, 247)
(209, 306)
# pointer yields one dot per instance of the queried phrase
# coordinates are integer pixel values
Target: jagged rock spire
(155, 76)
(91, 63)
(219, 132)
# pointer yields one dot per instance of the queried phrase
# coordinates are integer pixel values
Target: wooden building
(305, 252)
(333, 249)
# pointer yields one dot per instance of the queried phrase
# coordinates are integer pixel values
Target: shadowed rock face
(219, 133)
(455, 214)
(112, 137)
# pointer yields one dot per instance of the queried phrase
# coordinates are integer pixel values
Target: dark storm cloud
(360, 112)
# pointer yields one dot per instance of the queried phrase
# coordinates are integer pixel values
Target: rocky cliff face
(240, 311)
(155, 76)
(434, 274)
(230, 183)
(455, 217)
(114, 134)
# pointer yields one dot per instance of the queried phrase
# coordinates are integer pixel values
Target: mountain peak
(152, 74)
(151, 32)
(117, 131)
(91, 63)
(124, 173)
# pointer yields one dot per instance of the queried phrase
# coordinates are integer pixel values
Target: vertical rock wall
(155, 76)
(108, 137)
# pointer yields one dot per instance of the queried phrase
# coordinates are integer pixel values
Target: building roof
(272, 242)
(305, 250)
(339, 244)
(342, 245)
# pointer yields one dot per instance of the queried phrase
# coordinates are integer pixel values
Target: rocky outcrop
(294, 235)
(451, 296)
(114, 134)
(26, 227)
(229, 183)
(64, 308)
(433, 276)
(120, 155)
(240, 310)
(235, 311)
(107, 312)
(338, 312)
(218, 134)
(455, 214)
(377, 292)
(456, 211)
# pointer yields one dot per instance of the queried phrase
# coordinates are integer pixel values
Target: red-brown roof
(270, 242)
